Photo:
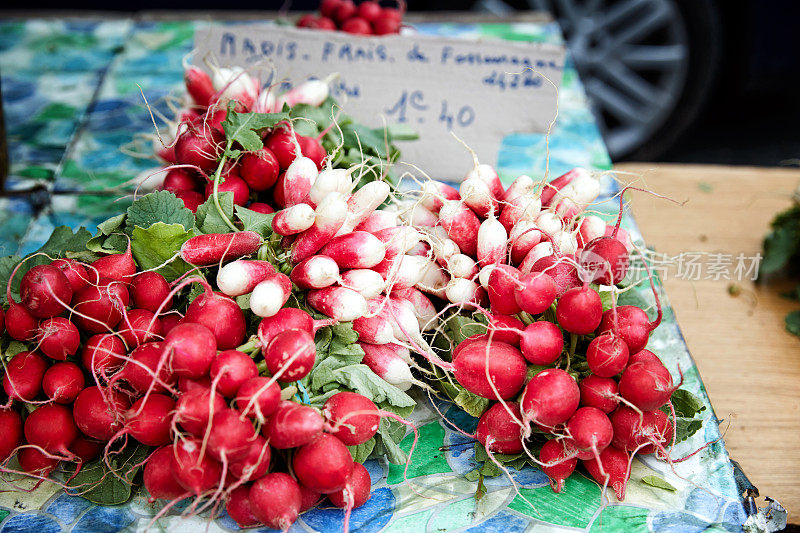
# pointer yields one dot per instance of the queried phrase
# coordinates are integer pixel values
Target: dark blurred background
(703, 81)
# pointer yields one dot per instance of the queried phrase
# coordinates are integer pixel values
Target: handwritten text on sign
(481, 90)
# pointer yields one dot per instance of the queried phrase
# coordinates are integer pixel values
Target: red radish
(499, 431)
(194, 472)
(256, 463)
(103, 353)
(605, 260)
(261, 207)
(357, 489)
(324, 464)
(193, 349)
(503, 283)
(339, 303)
(180, 180)
(51, 428)
(356, 26)
(58, 338)
(34, 462)
(599, 392)
(140, 371)
(97, 309)
(149, 420)
(482, 172)
(76, 273)
(640, 433)
(290, 355)
(230, 436)
(483, 361)
(315, 272)
(270, 295)
(312, 149)
(384, 361)
(358, 249)
(139, 326)
(293, 219)
(149, 290)
(631, 324)
(233, 183)
(615, 466)
(505, 328)
(387, 24)
(348, 413)
(292, 425)
(275, 500)
(45, 291)
(286, 318)
(542, 343)
(308, 498)
(461, 224)
(579, 310)
(259, 169)
(331, 214)
(230, 369)
(282, 145)
(63, 382)
(535, 293)
(345, 10)
(195, 408)
(187, 384)
(221, 315)
(115, 267)
(191, 199)
(213, 248)
(590, 431)
(258, 398)
(644, 356)
(241, 276)
(23, 376)
(563, 273)
(607, 355)
(199, 86)
(198, 146)
(328, 7)
(648, 386)
(98, 413)
(11, 431)
(298, 179)
(363, 203)
(559, 462)
(238, 507)
(158, 476)
(20, 324)
(86, 449)
(550, 397)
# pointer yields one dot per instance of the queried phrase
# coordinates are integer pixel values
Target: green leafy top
(245, 128)
(782, 252)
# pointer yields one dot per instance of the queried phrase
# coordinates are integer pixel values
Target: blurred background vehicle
(705, 81)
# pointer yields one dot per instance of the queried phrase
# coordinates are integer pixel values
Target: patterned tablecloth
(72, 98)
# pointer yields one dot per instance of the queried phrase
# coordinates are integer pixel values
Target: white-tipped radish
(403, 270)
(488, 175)
(330, 215)
(375, 328)
(270, 295)
(485, 274)
(423, 307)
(434, 193)
(524, 236)
(492, 242)
(241, 277)
(565, 243)
(582, 190)
(520, 208)
(399, 239)
(363, 203)
(522, 186)
(434, 281)
(358, 249)
(311, 92)
(590, 228)
(418, 216)
(378, 220)
(330, 180)
(384, 361)
(462, 266)
(478, 197)
(298, 180)
(461, 224)
(364, 281)
(462, 291)
(234, 84)
(543, 249)
(339, 303)
(315, 272)
(294, 219)
(549, 222)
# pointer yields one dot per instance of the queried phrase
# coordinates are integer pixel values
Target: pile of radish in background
(367, 17)
(250, 345)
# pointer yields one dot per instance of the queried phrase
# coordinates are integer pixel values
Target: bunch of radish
(367, 17)
(198, 140)
(554, 364)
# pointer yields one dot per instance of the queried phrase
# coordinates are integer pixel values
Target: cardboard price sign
(481, 90)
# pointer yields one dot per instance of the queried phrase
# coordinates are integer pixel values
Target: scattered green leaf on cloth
(102, 486)
(659, 483)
